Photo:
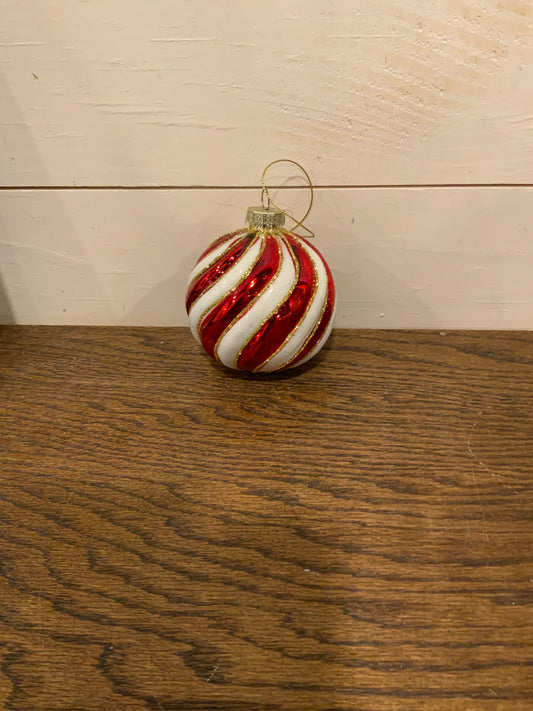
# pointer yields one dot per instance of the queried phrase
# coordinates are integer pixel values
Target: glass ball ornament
(261, 299)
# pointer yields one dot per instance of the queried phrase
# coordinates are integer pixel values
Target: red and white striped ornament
(261, 299)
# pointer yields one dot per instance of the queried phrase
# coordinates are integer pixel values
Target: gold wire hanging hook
(265, 192)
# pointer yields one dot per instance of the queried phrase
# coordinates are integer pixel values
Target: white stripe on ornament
(306, 325)
(321, 342)
(274, 294)
(212, 257)
(219, 290)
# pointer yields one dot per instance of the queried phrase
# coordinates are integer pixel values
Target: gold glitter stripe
(231, 237)
(236, 318)
(219, 301)
(310, 303)
(220, 277)
(295, 281)
(264, 234)
(322, 340)
(317, 324)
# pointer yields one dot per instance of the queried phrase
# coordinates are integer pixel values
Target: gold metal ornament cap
(265, 218)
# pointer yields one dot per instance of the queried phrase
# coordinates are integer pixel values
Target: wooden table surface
(352, 535)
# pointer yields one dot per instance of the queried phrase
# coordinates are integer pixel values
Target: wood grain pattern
(110, 93)
(355, 535)
(409, 258)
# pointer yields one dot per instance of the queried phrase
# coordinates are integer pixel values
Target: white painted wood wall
(135, 132)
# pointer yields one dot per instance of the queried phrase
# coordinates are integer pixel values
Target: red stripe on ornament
(273, 334)
(322, 324)
(220, 240)
(222, 316)
(217, 270)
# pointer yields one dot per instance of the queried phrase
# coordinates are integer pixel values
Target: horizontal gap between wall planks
(405, 186)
